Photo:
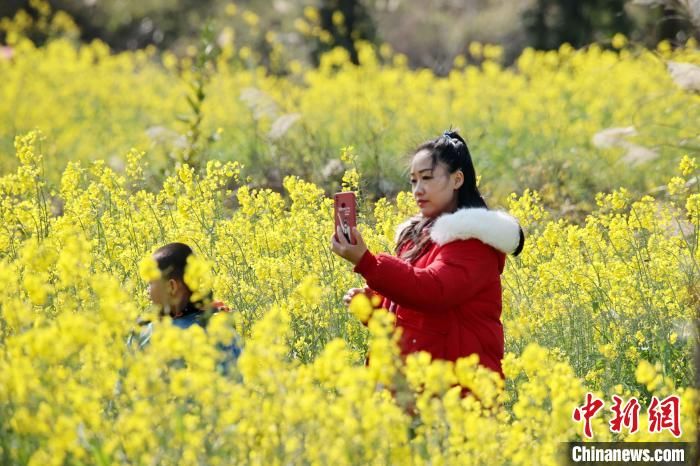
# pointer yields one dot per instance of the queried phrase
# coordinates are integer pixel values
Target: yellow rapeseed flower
(198, 277)
(148, 269)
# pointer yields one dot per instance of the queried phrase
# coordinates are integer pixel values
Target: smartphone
(345, 212)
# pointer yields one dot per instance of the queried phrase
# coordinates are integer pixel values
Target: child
(444, 284)
(173, 297)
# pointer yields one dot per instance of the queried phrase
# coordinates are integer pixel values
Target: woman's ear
(459, 179)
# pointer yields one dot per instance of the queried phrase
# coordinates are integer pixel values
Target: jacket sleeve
(459, 270)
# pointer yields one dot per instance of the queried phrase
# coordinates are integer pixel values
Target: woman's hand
(348, 251)
(352, 292)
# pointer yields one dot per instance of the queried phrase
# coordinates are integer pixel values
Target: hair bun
(453, 137)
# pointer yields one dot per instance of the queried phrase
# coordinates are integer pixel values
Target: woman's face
(434, 188)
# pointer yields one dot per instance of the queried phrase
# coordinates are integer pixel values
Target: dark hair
(450, 149)
(172, 259)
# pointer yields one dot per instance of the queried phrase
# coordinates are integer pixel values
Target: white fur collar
(493, 227)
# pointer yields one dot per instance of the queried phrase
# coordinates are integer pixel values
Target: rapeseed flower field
(602, 302)
(567, 123)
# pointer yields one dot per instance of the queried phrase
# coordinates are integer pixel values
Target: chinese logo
(663, 414)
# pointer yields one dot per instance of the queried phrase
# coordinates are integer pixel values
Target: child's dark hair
(172, 259)
(450, 149)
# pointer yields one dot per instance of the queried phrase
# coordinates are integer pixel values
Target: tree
(579, 22)
(346, 21)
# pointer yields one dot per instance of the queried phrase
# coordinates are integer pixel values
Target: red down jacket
(448, 301)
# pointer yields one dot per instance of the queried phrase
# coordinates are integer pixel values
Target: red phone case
(345, 213)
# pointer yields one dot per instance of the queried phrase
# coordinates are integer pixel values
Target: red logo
(627, 416)
(587, 411)
(663, 414)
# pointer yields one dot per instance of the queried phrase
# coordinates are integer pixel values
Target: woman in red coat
(444, 285)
